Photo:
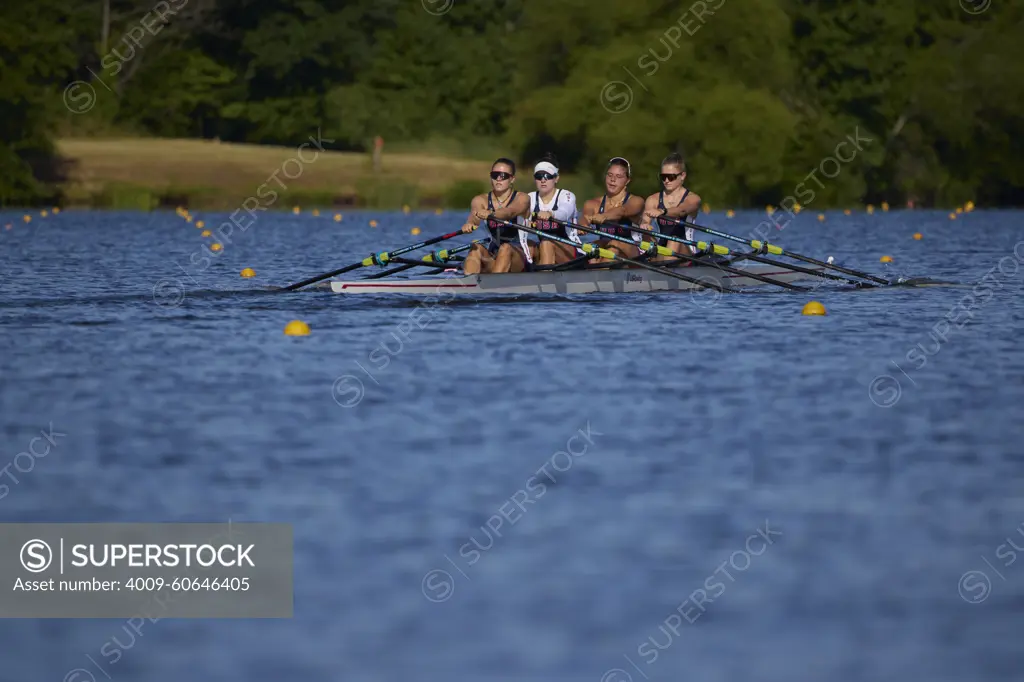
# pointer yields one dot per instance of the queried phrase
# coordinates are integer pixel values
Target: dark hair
(508, 162)
(621, 163)
(674, 159)
(550, 158)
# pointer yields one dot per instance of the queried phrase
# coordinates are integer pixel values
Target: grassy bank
(150, 173)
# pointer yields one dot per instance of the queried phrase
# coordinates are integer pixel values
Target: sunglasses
(669, 177)
(500, 175)
(542, 175)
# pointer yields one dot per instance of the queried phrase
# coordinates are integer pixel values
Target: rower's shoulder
(595, 202)
(653, 199)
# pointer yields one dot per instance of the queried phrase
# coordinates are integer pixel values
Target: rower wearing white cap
(547, 205)
(616, 211)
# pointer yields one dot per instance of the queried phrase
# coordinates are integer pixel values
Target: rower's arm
(479, 203)
(687, 207)
(634, 208)
(590, 207)
(631, 209)
(650, 205)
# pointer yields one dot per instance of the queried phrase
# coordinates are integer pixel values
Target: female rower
(503, 202)
(615, 212)
(674, 201)
(549, 204)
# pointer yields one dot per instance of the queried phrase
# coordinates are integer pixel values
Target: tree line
(757, 94)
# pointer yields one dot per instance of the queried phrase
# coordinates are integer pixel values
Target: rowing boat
(590, 281)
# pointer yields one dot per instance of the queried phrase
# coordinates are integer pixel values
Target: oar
(594, 252)
(721, 250)
(758, 245)
(431, 259)
(665, 251)
(381, 258)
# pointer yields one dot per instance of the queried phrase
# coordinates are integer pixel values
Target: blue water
(882, 471)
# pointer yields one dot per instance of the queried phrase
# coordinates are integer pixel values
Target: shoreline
(124, 173)
(152, 173)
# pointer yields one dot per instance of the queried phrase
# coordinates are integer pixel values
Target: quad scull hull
(624, 280)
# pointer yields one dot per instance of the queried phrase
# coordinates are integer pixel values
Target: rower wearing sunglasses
(503, 202)
(673, 201)
(549, 204)
(616, 211)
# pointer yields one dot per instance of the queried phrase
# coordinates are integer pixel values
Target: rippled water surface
(754, 494)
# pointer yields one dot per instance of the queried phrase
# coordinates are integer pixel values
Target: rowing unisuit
(562, 208)
(621, 227)
(672, 227)
(500, 234)
(499, 254)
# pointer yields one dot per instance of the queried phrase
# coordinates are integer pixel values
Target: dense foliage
(756, 93)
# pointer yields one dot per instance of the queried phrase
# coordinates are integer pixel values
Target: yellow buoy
(205, 233)
(316, 213)
(415, 231)
(814, 308)
(405, 209)
(296, 210)
(846, 211)
(200, 224)
(730, 213)
(885, 206)
(797, 208)
(918, 235)
(952, 216)
(188, 219)
(959, 210)
(706, 208)
(27, 218)
(969, 206)
(438, 212)
(56, 210)
(337, 217)
(248, 272)
(296, 328)
(821, 217)
(769, 209)
(215, 247)
(871, 209)
(885, 259)
(43, 214)
(373, 223)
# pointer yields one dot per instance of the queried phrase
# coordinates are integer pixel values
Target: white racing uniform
(562, 207)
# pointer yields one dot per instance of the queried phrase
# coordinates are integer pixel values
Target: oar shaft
(594, 251)
(376, 259)
(721, 250)
(432, 259)
(665, 251)
(779, 251)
